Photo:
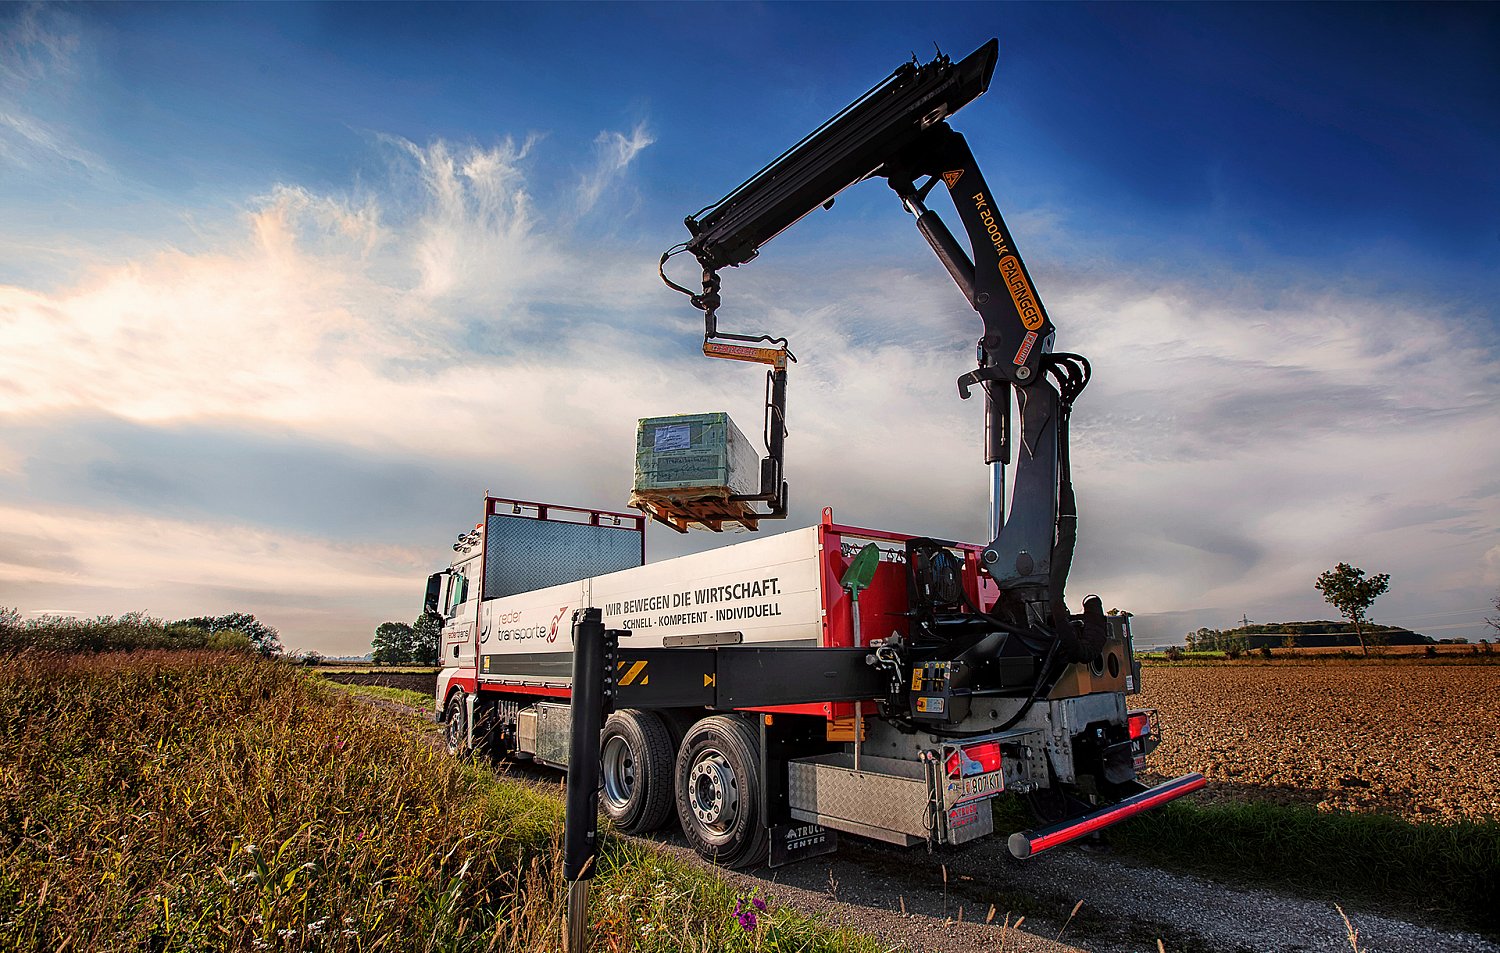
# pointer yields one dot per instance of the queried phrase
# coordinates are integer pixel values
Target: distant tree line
(401, 643)
(1292, 635)
(237, 631)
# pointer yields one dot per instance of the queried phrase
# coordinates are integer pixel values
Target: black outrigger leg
(594, 650)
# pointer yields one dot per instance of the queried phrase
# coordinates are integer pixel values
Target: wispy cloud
(37, 73)
(615, 151)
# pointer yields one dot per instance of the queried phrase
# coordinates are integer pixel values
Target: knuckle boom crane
(832, 678)
(898, 131)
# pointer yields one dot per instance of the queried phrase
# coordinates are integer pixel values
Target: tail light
(1141, 724)
(974, 759)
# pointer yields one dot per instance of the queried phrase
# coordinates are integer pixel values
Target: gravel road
(939, 902)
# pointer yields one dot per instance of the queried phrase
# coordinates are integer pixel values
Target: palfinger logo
(552, 634)
(950, 179)
(1020, 293)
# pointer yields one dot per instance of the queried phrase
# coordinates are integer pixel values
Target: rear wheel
(718, 792)
(635, 770)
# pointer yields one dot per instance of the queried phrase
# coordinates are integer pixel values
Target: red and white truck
(831, 678)
(746, 727)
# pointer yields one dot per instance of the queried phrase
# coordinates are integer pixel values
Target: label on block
(673, 437)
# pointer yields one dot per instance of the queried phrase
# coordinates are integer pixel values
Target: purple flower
(759, 904)
(745, 915)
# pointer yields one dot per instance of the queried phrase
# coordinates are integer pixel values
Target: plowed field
(1418, 741)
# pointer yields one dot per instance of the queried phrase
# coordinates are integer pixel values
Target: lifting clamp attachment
(753, 349)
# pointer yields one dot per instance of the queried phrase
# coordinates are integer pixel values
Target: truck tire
(635, 771)
(718, 792)
(456, 725)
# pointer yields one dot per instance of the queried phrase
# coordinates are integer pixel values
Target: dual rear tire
(718, 789)
(714, 781)
(635, 771)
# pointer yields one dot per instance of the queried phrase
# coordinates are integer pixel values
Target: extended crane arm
(846, 149)
(898, 131)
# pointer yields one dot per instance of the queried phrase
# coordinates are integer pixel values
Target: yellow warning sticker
(635, 671)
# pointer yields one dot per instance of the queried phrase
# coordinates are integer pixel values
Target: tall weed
(187, 801)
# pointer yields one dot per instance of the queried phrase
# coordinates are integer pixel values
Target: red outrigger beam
(1030, 843)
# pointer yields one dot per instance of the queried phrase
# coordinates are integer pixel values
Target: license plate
(976, 787)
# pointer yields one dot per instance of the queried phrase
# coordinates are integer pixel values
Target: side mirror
(434, 592)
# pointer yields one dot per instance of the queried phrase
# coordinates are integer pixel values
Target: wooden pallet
(709, 510)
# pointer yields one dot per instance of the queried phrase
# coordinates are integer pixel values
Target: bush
(1265, 651)
(1173, 653)
(133, 631)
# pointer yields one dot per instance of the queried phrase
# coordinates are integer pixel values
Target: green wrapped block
(702, 453)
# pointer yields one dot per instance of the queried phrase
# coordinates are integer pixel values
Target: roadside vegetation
(1450, 872)
(188, 801)
(235, 632)
(1444, 872)
(404, 696)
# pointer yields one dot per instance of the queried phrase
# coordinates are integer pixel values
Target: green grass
(1451, 872)
(365, 668)
(171, 801)
(403, 695)
(1446, 872)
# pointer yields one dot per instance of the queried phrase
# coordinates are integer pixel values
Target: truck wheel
(718, 792)
(456, 727)
(635, 771)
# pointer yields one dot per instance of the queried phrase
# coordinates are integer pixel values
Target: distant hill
(1321, 633)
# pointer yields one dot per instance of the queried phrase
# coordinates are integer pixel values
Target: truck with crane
(773, 693)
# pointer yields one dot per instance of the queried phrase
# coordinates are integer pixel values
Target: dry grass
(191, 801)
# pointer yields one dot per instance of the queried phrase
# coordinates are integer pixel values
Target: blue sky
(288, 286)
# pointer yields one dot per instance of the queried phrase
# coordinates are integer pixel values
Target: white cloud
(615, 152)
(91, 563)
(1228, 450)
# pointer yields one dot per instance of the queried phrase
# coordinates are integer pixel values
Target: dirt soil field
(1417, 741)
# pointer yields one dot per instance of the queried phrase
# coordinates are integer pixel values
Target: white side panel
(767, 589)
(540, 621)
